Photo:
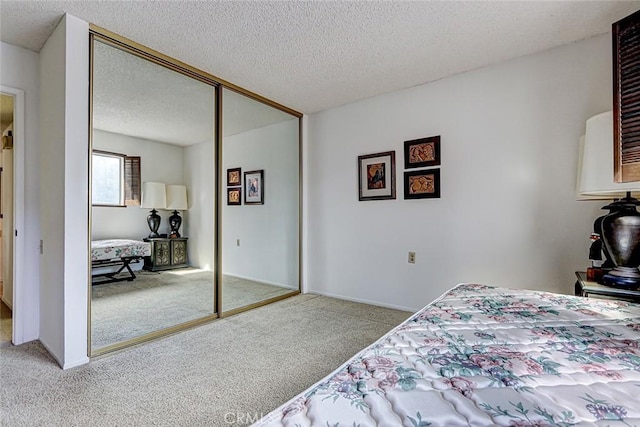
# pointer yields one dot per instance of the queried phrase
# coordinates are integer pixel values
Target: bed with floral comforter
(116, 253)
(105, 250)
(485, 356)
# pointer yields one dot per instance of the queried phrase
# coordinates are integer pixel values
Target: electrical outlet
(412, 257)
(237, 242)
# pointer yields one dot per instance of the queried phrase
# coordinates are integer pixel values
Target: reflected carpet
(157, 300)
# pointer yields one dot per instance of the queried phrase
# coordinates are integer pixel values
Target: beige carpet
(212, 375)
(158, 300)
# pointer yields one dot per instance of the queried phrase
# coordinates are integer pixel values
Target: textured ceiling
(314, 55)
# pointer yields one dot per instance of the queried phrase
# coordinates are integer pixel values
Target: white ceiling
(314, 55)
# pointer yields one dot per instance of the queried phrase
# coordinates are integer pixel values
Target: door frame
(18, 315)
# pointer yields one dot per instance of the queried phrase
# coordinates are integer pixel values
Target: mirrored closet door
(153, 191)
(260, 226)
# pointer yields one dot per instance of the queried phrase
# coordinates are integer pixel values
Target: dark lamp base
(175, 221)
(153, 220)
(617, 278)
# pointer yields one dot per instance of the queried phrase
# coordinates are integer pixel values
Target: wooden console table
(167, 254)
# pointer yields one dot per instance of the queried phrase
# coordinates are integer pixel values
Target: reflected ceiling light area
(133, 96)
(243, 114)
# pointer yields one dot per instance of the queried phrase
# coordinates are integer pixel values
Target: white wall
(198, 221)
(507, 215)
(19, 69)
(158, 162)
(64, 97)
(268, 233)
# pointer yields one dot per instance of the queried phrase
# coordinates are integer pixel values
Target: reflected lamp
(153, 197)
(176, 201)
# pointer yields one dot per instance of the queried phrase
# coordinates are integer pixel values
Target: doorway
(7, 106)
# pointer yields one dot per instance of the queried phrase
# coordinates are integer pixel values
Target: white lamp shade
(595, 162)
(154, 195)
(177, 197)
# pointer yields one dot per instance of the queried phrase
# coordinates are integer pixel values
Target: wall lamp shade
(177, 197)
(176, 200)
(620, 229)
(595, 162)
(154, 196)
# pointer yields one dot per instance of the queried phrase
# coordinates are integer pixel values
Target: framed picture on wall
(254, 187)
(419, 153)
(234, 177)
(234, 196)
(377, 176)
(422, 184)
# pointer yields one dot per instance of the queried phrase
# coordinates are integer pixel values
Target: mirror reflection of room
(6, 219)
(260, 211)
(152, 241)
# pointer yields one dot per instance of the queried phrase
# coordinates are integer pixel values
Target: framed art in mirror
(254, 187)
(234, 196)
(233, 177)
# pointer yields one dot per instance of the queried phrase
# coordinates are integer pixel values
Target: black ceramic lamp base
(621, 236)
(623, 277)
(175, 221)
(153, 220)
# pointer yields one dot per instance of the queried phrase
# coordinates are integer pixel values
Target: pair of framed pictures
(377, 172)
(253, 187)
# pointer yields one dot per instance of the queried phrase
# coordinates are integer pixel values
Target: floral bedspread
(118, 248)
(485, 356)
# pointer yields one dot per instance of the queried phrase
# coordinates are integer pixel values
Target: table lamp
(176, 200)
(620, 228)
(154, 197)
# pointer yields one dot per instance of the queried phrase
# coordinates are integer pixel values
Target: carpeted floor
(158, 300)
(223, 373)
(237, 292)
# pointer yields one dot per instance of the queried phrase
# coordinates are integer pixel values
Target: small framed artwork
(254, 187)
(419, 153)
(377, 176)
(422, 184)
(234, 196)
(233, 177)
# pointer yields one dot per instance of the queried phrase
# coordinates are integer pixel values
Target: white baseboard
(364, 301)
(65, 366)
(8, 303)
(82, 361)
(253, 279)
(46, 346)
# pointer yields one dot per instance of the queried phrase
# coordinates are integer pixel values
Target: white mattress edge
(272, 414)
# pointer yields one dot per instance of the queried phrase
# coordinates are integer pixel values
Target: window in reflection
(108, 175)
